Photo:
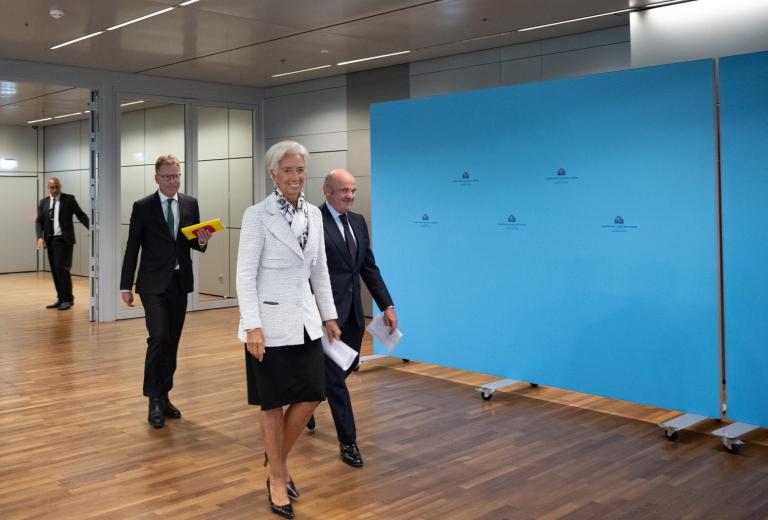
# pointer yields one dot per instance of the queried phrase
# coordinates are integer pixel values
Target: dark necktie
(169, 219)
(52, 216)
(351, 247)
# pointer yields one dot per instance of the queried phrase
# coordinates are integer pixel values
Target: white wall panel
(213, 188)
(132, 188)
(524, 70)
(62, 147)
(213, 275)
(456, 80)
(240, 133)
(324, 142)
(234, 244)
(458, 61)
(164, 132)
(132, 138)
(586, 61)
(212, 133)
(321, 163)
(19, 205)
(85, 144)
(586, 40)
(240, 190)
(19, 143)
(314, 112)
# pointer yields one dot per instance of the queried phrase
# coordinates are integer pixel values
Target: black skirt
(286, 375)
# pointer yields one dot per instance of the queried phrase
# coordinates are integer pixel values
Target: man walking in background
(56, 233)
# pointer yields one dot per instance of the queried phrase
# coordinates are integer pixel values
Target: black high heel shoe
(285, 511)
(290, 486)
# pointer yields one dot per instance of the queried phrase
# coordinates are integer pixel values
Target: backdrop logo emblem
(511, 223)
(618, 226)
(425, 221)
(465, 180)
(561, 177)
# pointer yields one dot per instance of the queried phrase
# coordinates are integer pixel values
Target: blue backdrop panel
(744, 149)
(562, 233)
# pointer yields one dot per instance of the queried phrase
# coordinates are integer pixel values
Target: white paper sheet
(339, 352)
(380, 331)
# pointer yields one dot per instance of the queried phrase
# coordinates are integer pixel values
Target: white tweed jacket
(274, 276)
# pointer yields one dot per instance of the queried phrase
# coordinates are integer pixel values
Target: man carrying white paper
(349, 258)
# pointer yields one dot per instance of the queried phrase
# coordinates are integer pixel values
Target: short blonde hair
(279, 150)
(166, 159)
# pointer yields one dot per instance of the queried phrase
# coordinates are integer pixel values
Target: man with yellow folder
(165, 278)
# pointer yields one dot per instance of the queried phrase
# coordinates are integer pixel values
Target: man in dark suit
(349, 256)
(56, 233)
(164, 280)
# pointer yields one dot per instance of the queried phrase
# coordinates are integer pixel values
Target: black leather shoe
(156, 415)
(350, 454)
(293, 491)
(311, 423)
(54, 305)
(285, 511)
(65, 305)
(170, 411)
(290, 486)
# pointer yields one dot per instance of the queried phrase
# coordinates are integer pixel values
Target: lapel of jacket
(158, 212)
(332, 231)
(279, 227)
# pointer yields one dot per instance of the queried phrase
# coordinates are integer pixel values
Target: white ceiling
(246, 42)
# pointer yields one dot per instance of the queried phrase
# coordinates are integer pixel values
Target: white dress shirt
(56, 226)
(335, 214)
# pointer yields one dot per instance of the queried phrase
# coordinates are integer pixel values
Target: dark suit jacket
(346, 274)
(159, 251)
(67, 208)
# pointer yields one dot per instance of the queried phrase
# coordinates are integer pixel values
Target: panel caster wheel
(732, 445)
(534, 385)
(671, 435)
(406, 360)
(486, 396)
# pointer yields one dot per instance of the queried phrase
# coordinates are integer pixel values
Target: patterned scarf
(297, 217)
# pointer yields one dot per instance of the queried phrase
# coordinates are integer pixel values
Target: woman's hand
(255, 343)
(333, 330)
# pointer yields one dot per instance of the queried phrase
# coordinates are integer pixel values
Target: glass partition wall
(216, 148)
(225, 189)
(148, 129)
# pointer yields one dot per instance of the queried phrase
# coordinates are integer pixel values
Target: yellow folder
(211, 225)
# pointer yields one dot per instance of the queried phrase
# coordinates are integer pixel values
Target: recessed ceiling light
(373, 57)
(299, 71)
(75, 40)
(39, 120)
(188, 2)
(131, 103)
(129, 22)
(68, 115)
(621, 11)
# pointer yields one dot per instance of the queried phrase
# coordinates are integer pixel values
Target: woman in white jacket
(285, 297)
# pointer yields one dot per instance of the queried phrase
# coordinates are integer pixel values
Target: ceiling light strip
(76, 40)
(621, 11)
(183, 4)
(299, 71)
(39, 120)
(68, 115)
(373, 58)
(141, 18)
(131, 103)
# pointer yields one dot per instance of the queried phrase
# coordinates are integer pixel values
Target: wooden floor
(75, 444)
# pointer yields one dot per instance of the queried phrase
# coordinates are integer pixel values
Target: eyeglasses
(170, 177)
